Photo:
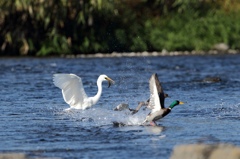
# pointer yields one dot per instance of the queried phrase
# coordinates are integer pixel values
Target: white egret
(73, 91)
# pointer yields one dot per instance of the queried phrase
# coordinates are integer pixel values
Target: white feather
(154, 102)
(72, 89)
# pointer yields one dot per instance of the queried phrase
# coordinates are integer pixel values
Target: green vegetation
(54, 27)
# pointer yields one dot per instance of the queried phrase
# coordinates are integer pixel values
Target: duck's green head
(176, 102)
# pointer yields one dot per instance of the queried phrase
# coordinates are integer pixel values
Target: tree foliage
(51, 27)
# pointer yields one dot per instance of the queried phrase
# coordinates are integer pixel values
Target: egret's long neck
(98, 95)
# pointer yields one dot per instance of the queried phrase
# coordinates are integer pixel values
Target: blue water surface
(34, 120)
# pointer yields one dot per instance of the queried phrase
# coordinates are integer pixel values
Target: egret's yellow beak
(181, 103)
(110, 81)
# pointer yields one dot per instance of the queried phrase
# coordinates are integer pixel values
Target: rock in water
(13, 156)
(212, 79)
(117, 124)
(206, 151)
(20, 156)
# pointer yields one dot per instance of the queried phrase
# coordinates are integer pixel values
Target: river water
(34, 120)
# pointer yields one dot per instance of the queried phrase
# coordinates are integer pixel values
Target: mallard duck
(156, 101)
(73, 91)
(157, 113)
(153, 80)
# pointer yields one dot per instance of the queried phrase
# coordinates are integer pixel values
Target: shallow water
(34, 120)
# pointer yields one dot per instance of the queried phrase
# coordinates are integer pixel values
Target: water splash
(101, 117)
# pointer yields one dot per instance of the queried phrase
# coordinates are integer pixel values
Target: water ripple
(34, 120)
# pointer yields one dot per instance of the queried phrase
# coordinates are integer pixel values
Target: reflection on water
(34, 120)
(154, 129)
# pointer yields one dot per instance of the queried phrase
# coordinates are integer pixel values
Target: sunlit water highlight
(34, 120)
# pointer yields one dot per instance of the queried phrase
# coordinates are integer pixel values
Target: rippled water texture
(33, 119)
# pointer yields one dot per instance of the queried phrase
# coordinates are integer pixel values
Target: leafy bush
(191, 32)
(49, 27)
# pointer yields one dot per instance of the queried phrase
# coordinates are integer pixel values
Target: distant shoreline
(135, 54)
(153, 54)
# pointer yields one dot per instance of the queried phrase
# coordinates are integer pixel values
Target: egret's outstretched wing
(72, 88)
(154, 102)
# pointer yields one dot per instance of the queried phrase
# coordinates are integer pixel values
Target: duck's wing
(72, 88)
(154, 102)
(159, 89)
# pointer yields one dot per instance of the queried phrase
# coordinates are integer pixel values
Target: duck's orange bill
(181, 103)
